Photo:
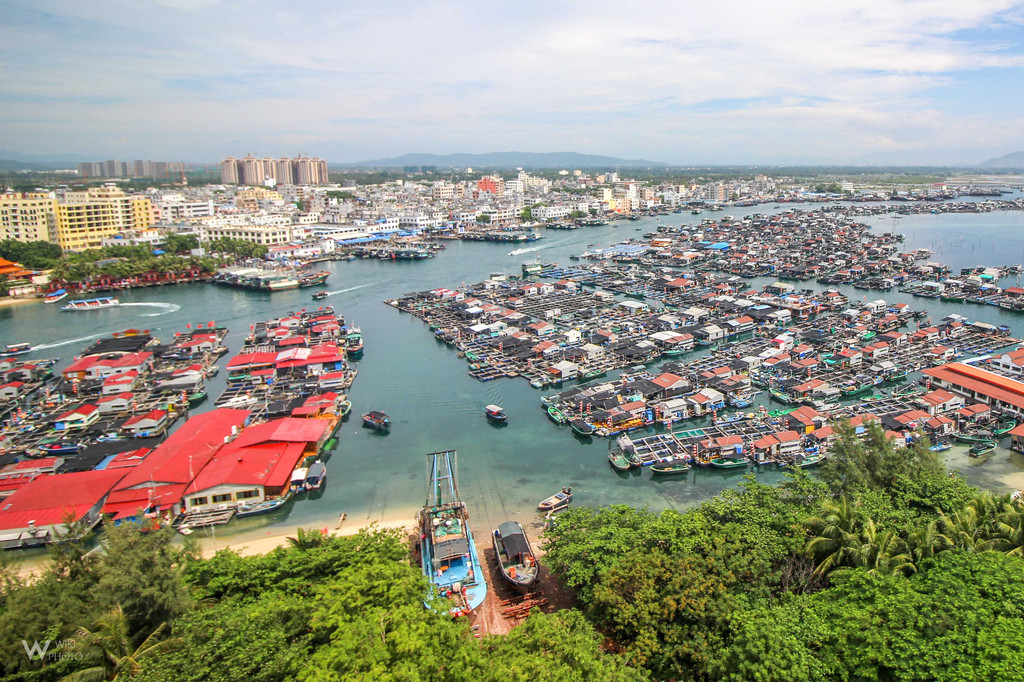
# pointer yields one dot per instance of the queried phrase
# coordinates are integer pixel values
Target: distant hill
(1014, 160)
(11, 166)
(567, 160)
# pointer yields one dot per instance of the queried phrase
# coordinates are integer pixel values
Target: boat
(354, 342)
(581, 427)
(619, 461)
(92, 304)
(972, 439)
(723, 463)
(495, 413)
(982, 448)
(317, 295)
(313, 278)
(557, 501)
(670, 466)
(448, 553)
(516, 559)
(17, 349)
(55, 296)
(316, 476)
(1005, 428)
(811, 459)
(556, 415)
(940, 447)
(264, 507)
(377, 420)
(298, 480)
(61, 448)
(196, 398)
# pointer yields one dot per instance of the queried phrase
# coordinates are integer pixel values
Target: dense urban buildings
(268, 171)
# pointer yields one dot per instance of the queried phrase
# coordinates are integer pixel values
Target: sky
(681, 82)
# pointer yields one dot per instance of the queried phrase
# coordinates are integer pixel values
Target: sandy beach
(10, 301)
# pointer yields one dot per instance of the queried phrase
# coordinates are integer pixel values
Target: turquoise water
(435, 405)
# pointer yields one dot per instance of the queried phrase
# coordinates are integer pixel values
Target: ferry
(92, 304)
(17, 349)
(448, 554)
(55, 296)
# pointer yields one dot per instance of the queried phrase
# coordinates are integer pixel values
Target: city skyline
(735, 83)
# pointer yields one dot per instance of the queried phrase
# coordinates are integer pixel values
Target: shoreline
(11, 301)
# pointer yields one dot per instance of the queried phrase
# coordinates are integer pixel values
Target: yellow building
(28, 217)
(85, 218)
(249, 199)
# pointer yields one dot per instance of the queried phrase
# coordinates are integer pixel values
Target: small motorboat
(670, 466)
(17, 349)
(60, 448)
(316, 476)
(317, 295)
(298, 480)
(55, 296)
(264, 507)
(516, 559)
(495, 413)
(559, 500)
(377, 420)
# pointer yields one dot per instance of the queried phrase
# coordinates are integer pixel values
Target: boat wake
(530, 249)
(361, 286)
(167, 308)
(67, 342)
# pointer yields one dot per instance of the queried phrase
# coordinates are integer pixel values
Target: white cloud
(733, 80)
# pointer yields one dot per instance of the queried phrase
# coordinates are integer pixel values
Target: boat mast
(444, 482)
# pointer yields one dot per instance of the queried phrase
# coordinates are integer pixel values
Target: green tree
(110, 647)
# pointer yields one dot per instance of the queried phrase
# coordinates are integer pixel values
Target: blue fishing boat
(447, 552)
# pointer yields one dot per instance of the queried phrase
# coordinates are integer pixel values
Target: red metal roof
(286, 430)
(980, 381)
(47, 499)
(268, 464)
(186, 451)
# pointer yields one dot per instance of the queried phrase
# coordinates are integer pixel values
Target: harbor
(426, 388)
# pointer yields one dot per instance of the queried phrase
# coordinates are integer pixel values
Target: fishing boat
(314, 278)
(316, 476)
(972, 439)
(581, 428)
(17, 349)
(495, 413)
(556, 415)
(516, 559)
(670, 466)
(1005, 428)
(377, 420)
(723, 463)
(619, 461)
(354, 342)
(55, 296)
(92, 304)
(448, 554)
(983, 448)
(317, 295)
(811, 459)
(196, 398)
(559, 500)
(264, 507)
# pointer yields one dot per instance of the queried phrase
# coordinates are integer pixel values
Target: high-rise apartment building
(250, 170)
(130, 169)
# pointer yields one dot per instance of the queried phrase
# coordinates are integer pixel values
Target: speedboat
(55, 296)
(559, 500)
(17, 349)
(92, 304)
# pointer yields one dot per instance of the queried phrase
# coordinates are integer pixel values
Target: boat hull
(518, 563)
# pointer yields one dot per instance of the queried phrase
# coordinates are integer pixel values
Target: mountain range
(567, 160)
(1014, 160)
